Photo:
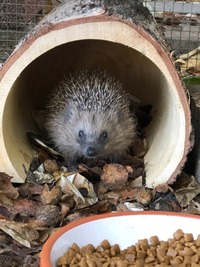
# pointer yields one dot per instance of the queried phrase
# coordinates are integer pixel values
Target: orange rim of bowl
(45, 260)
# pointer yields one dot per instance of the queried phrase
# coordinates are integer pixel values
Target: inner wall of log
(126, 64)
(135, 61)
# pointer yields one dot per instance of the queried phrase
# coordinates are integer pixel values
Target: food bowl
(123, 228)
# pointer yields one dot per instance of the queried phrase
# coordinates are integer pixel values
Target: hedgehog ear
(120, 116)
(69, 111)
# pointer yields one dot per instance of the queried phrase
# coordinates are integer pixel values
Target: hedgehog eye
(104, 135)
(81, 134)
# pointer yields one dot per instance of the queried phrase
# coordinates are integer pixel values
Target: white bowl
(123, 228)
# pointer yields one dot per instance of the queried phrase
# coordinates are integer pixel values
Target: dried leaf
(19, 232)
(137, 182)
(112, 197)
(51, 165)
(185, 195)
(28, 190)
(83, 190)
(128, 194)
(114, 176)
(65, 208)
(165, 202)
(66, 184)
(162, 188)
(193, 208)
(144, 196)
(76, 216)
(6, 186)
(5, 201)
(51, 197)
(40, 176)
(49, 214)
(121, 207)
(25, 207)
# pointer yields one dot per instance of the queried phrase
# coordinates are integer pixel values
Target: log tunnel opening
(139, 74)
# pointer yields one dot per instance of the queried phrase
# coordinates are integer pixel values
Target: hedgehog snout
(91, 152)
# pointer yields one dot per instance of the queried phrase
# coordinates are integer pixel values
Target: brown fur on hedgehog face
(89, 116)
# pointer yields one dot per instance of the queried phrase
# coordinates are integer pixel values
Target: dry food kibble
(182, 250)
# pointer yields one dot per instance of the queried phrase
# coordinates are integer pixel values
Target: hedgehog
(88, 115)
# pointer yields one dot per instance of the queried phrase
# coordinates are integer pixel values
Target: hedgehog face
(101, 134)
(91, 145)
(90, 137)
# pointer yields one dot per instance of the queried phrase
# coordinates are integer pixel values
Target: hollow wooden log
(120, 36)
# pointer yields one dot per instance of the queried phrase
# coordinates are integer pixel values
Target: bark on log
(119, 36)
